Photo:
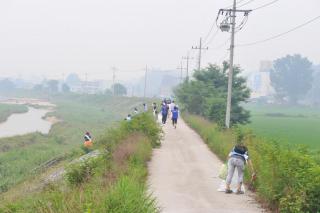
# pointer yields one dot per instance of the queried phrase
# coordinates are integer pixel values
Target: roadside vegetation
(113, 182)
(288, 178)
(8, 109)
(22, 157)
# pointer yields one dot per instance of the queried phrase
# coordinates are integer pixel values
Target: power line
(281, 34)
(221, 45)
(265, 5)
(246, 3)
(208, 34)
(212, 37)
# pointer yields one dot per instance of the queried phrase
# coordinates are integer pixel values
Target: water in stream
(24, 123)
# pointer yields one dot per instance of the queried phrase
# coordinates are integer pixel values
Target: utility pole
(187, 58)
(225, 26)
(145, 82)
(181, 71)
(200, 48)
(113, 80)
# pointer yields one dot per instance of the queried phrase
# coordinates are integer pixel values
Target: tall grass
(288, 178)
(115, 183)
(8, 109)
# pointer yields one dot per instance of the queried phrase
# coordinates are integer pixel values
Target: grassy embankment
(294, 125)
(20, 155)
(8, 109)
(288, 177)
(113, 182)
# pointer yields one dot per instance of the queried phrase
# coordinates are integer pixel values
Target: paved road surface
(184, 176)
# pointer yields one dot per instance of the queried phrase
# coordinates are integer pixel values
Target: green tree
(119, 89)
(314, 93)
(291, 77)
(206, 95)
(38, 87)
(108, 92)
(73, 80)
(53, 85)
(65, 88)
(6, 85)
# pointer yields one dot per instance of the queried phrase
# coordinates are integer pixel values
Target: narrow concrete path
(184, 176)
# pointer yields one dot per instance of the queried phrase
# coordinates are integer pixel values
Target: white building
(259, 82)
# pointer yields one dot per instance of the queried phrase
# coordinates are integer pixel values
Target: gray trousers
(234, 163)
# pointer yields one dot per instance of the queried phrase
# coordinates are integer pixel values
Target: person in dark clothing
(155, 111)
(164, 113)
(87, 136)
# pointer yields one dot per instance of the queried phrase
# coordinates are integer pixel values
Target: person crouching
(238, 158)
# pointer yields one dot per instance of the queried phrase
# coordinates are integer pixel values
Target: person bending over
(238, 158)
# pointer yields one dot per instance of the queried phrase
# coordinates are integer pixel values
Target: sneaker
(228, 191)
(239, 192)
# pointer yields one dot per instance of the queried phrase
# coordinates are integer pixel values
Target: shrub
(78, 173)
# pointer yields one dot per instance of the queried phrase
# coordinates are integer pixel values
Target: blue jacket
(164, 110)
(175, 114)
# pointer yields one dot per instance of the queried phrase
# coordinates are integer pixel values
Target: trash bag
(223, 172)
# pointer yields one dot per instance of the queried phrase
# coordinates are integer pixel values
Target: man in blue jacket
(175, 115)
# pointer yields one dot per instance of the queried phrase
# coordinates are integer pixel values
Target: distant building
(93, 87)
(160, 83)
(89, 87)
(259, 82)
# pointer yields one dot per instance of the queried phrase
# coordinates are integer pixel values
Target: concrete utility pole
(113, 80)
(181, 71)
(233, 23)
(225, 26)
(145, 82)
(200, 48)
(188, 59)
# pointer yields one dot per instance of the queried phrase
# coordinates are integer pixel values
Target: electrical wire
(208, 34)
(212, 37)
(265, 5)
(244, 4)
(280, 34)
(221, 45)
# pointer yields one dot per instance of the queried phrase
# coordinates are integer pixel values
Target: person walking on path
(175, 115)
(164, 113)
(238, 157)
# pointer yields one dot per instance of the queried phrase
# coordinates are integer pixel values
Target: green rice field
(290, 125)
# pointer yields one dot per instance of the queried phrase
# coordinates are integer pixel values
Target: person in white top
(171, 107)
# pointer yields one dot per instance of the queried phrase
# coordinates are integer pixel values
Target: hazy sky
(52, 37)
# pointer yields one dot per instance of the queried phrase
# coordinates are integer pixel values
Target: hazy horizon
(54, 38)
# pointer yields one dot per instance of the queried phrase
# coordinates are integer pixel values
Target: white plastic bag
(223, 172)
